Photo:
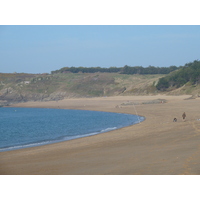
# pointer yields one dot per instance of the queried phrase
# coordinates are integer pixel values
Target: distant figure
(175, 120)
(184, 116)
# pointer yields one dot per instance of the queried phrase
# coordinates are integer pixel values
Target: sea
(28, 127)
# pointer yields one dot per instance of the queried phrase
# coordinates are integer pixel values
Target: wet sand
(155, 146)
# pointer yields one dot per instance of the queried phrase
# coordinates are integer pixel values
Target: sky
(44, 48)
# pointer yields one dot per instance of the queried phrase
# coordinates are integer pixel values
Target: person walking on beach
(184, 116)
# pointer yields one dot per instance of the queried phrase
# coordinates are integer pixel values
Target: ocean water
(27, 127)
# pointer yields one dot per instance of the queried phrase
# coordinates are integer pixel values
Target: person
(184, 116)
(175, 119)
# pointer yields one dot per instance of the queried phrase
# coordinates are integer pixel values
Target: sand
(156, 146)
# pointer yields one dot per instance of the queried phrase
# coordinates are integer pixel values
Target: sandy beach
(156, 146)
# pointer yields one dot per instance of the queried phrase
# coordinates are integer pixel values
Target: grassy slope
(48, 87)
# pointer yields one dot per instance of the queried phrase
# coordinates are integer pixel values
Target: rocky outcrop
(9, 96)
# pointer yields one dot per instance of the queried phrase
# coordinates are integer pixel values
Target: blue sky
(40, 49)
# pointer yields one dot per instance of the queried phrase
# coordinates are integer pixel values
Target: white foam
(24, 146)
(108, 129)
(65, 138)
(87, 134)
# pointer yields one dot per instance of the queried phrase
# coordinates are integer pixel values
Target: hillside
(55, 86)
(185, 80)
(46, 87)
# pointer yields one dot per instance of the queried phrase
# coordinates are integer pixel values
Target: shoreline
(156, 146)
(66, 137)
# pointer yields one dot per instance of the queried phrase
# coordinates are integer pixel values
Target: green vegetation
(122, 70)
(190, 74)
(148, 70)
(87, 70)
(46, 87)
(75, 82)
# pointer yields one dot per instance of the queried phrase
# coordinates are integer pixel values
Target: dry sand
(156, 146)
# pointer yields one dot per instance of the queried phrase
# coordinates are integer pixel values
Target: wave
(108, 129)
(88, 134)
(60, 139)
(9, 148)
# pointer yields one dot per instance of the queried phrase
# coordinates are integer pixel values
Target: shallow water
(27, 127)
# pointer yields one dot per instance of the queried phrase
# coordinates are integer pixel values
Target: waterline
(28, 127)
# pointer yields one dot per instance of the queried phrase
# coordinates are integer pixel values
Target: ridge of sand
(156, 146)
